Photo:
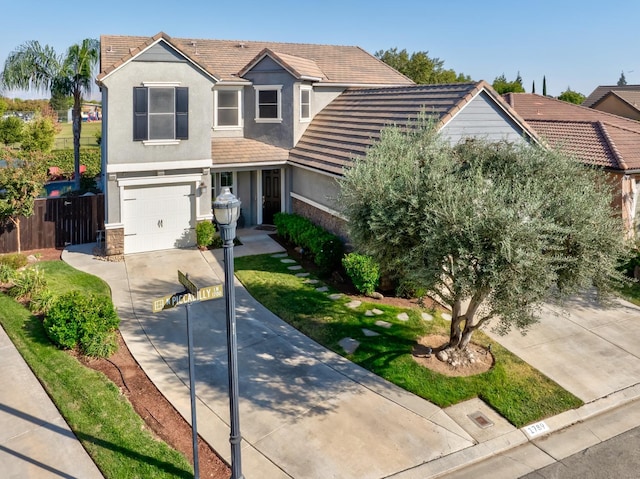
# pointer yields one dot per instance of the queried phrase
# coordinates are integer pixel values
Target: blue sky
(576, 44)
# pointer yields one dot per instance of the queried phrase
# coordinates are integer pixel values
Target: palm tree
(37, 67)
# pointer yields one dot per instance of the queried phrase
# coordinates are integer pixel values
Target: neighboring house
(621, 100)
(596, 138)
(275, 122)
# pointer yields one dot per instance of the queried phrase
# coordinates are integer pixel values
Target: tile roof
(226, 151)
(224, 59)
(596, 137)
(621, 90)
(352, 122)
(297, 66)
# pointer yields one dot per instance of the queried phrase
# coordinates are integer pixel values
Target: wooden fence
(56, 223)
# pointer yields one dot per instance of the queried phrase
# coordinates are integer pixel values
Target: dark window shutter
(182, 113)
(140, 108)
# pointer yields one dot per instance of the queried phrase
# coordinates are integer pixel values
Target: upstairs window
(305, 103)
(228, 108)
(160, 113)
(268, 103)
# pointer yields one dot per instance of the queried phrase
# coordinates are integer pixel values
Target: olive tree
(491, 229)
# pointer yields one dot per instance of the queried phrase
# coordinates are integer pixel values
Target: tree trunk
(17, 223)
(77, 125)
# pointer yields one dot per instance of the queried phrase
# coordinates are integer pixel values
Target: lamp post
(226, 209)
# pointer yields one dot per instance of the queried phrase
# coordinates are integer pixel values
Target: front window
(268, 103)
(160, 113)
(228, 108)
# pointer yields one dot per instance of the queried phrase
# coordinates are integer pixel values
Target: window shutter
(182, 113)
(140, 103)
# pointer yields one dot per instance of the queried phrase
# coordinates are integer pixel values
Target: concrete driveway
(305, 412)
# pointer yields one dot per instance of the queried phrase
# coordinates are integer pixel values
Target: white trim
(319, 206)
(160, 180)
(259, 199)
(158, 165)
(196, 65)
(113, 226)
(167, 84)
(233, 83)
(363, 85)
(308, 78)
(278, 89)
(160, 142)
(246, 166)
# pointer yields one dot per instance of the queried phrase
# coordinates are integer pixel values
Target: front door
(270, 195)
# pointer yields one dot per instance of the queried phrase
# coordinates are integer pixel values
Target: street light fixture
(226, 209)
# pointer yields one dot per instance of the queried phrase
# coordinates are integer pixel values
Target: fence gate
(56, 223)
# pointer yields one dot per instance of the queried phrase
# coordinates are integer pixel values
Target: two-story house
(275, 122)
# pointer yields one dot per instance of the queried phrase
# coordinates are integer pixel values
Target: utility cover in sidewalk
(480, 420)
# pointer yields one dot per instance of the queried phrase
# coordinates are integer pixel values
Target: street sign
(187, 283)
(177, 299)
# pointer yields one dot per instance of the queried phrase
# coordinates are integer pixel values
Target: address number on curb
(536, 429)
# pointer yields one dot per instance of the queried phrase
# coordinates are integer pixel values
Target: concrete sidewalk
(35, 441)
(306, 412)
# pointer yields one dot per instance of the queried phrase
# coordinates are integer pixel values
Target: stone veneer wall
(114, 242)
(331, 223)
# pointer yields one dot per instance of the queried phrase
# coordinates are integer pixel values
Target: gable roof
(352, 122)
(595, 137)
(300, 68)
(629, 93)
(225, 59)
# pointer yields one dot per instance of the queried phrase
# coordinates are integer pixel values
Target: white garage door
(158, 217)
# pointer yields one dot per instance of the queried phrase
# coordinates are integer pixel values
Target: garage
(158, 217)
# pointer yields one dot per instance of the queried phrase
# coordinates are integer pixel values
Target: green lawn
(64, 139)
(513, 388)
(99, 415)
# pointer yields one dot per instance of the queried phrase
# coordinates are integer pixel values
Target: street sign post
(191, 295)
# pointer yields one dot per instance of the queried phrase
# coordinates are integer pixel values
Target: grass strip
(99, 415)
(513, 388)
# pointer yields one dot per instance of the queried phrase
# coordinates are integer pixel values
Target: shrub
(363, 271)
(325, 248)
(14, 260)
(7, 273)
(42, 301)
(217, 242)
(82, 320)
(28, 283)
(204, 233)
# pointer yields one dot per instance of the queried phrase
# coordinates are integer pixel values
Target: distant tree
(39, 135)
(622, 80)
(60, 102)
(11, 129)
(3, 106)
(32, 66)
(572, 96)
(544, 85)
(502, 85)
(533, 87)
(21, 182)
(420, 67)
(492, 229)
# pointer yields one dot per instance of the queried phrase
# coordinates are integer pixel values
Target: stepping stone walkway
(312, 281)
(349, 345)
(322, 289)
(353, 304)
(302, 275)
(383, 324)
(427, 317)
(369, 333)
(279, 255)
(335, 297)
(295, 268)
(446, 316)
(377, 312)
(403, 317)
(288, 260)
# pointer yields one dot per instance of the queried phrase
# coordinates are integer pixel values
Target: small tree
(11, 129)
(571, 96)
(622, 80)
(493, 229)
(502, 85)
(39, 135)
(21, 182)
(420, 67)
